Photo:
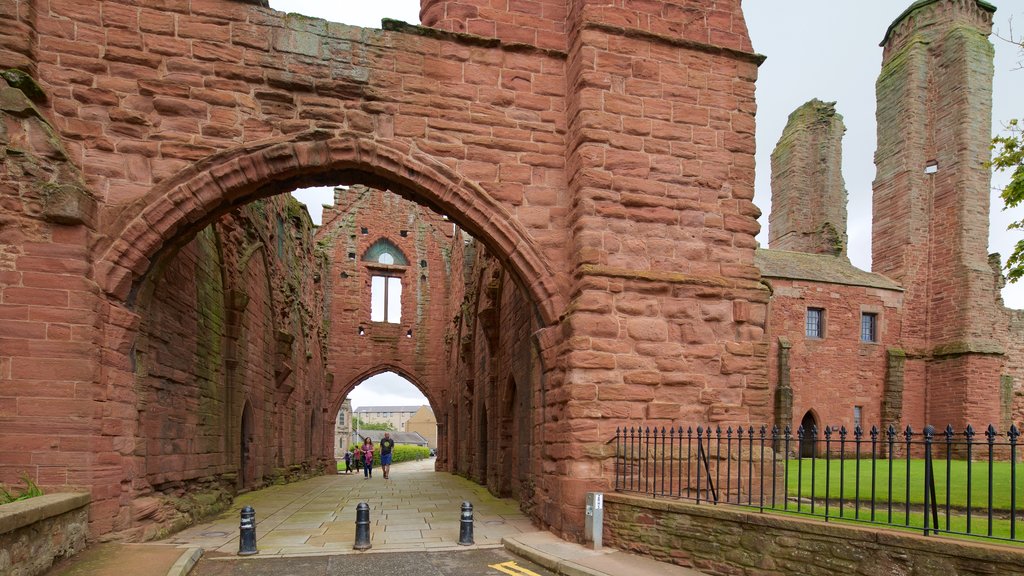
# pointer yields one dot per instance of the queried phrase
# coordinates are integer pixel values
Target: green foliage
(30, 491)
(401, 453)
(1009, 156)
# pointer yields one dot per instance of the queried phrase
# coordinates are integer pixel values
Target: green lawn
(956, 480)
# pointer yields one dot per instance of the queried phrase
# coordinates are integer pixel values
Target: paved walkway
(416, 509)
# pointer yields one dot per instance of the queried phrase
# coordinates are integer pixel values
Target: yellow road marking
(513, 569)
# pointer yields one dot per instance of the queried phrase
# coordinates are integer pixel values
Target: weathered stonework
(601, 155)
(726, 541)
(931, 203)
(37, 532)
(808, 193)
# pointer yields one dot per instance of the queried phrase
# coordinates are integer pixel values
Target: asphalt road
(479, 562)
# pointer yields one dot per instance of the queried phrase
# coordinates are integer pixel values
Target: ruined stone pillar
(931, 202)
(808, 192)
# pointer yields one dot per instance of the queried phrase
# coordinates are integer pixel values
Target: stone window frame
(869, 331)
(875, 311)
(819, 327)
(393, 267)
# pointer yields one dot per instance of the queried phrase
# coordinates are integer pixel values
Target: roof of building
(386, 409)
(398, 437)
(818, 268)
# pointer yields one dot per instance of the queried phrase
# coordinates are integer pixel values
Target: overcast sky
(816, 49)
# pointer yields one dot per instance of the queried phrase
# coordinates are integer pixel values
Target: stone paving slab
(415, 509)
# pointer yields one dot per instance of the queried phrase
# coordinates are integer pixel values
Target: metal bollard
(247, 532)
(362, 527)
(466, 525)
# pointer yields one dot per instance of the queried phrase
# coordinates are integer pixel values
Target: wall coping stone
(890, 538)
(25, 512)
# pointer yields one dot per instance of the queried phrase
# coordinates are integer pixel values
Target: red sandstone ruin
(569, 188)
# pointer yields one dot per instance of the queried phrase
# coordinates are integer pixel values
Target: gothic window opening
(387, 265)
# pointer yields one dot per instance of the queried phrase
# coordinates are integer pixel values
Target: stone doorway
(807, 443)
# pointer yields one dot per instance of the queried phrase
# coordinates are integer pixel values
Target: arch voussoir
(195, 195)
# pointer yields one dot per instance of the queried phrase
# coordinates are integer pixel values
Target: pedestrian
(348, 461)
(367, 458)
(357, 457)
(386, 446)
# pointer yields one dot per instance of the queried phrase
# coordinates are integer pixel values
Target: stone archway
(808, 443)
(182, 204)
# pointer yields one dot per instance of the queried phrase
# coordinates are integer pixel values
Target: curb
(558, 565)
(185, 562)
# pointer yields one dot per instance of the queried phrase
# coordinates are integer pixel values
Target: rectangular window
(815, 322)
(869, 327)
(856, 416)
(394, 300)
(385, 299)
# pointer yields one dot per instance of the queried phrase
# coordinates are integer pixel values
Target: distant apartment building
(397, 416)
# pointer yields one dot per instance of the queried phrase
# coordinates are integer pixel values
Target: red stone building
(924, 339)
(600, 154)
(171, 330)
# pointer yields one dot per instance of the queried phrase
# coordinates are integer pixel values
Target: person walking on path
(367, 453)
(386, 446)
(348, 461)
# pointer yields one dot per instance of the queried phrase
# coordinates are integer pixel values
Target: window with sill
(869, 327)
(387, 264)
(815, 323)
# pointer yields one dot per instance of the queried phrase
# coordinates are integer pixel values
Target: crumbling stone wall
(359, 220)
(611, 174)
(497, 406)
(232, 317)
(808, 193)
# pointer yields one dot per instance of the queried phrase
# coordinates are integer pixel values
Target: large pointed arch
(339, 393)
(174, 209)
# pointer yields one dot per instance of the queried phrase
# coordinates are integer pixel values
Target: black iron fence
(961, 483)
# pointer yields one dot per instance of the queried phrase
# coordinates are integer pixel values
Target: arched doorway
(808, 442)
(247, 465)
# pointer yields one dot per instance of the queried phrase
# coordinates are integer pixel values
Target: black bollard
(247, 532)
(466, 526)
(362, 527)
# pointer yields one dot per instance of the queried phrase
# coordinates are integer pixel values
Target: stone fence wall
(722, 540)
(36, 532)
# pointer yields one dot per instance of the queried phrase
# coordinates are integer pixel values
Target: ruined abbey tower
(808, 194)
(931, 204)
(924, 337)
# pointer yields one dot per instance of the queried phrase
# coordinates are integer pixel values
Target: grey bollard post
(362, 527)
(593, 523)
(466, 525)
(247, 532)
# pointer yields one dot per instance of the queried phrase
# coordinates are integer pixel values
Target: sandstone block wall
(726, 541)
(611, 175)
(36, 533)
(362, 219)
(831, 375)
